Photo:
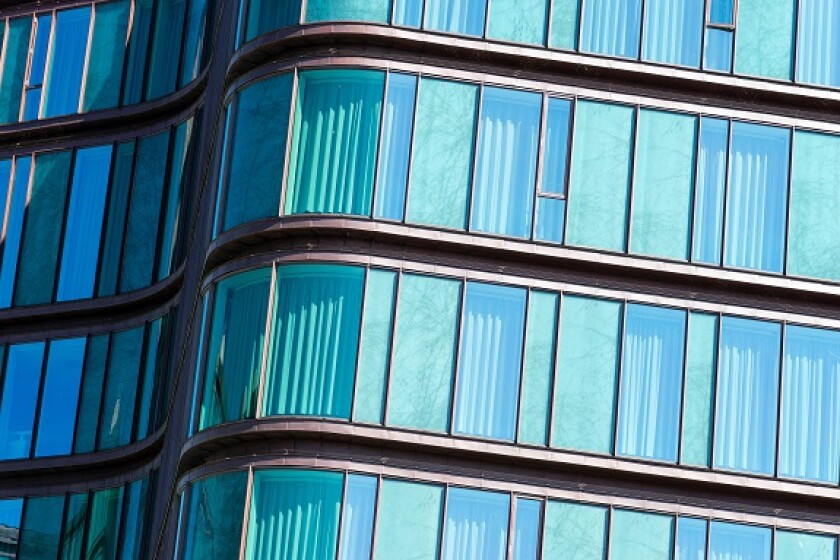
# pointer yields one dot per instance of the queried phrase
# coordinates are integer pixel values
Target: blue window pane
(506, 167)
(465, 17)
(10, 517)
(744, 542)
(39, 53)
(394, 148)
(61, 397)
(10, 241)
(162, 74)
(747, 389)
(718, 50)
(551, 218)
(14, 67)
(756, 203)
(32, 104)
(651, 382)
(67, 62)
(84, 223)
(691, 538)
(612, 27)
(490, 361)
(809, 447)
(20, 395)
(179, 173)
(476, 525)
(711, 186)
(408, 13)
(673, 31)
(526, 536)
(557, 132)
(357, 518)
(721, 11)
(818, 51)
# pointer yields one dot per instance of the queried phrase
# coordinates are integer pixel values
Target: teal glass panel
(199, 364)
(105, 68)
(333, 157)
(235, 350)
(115, 220)
(174, 213)
(651, 382)
(14, 67)
(138, 47)
(357, 517)
(118, 402)
(718, 50)
(804, 546)
(756, 203)
(408, 521)
(104, 523)
(221, 190)
(464, 17)
(506, 166)
(93, 382)
(476, 525)
(164, 53)
(268, 15)
(134, 531)
(14, 228)
(711, 188)
(316, 320)
(691, 538)
(585, 387)
(151, 378)
(211, 532)
(10, 518)
(424, 353)
(375, 11)
(197, 28)
(612, 27)
(67, 62)
(294, 515)
(764, 42)
(395, 147)
(557, 132)
(575, 531)
(518, 21)
(808, 444)
(814, 201)
(257, 151)
(701, 364)
(487, 395)
(635, 535)
(728, 540)
(82, 234)
(442, 157)
(540, 349)
(31, 103)
(144, 212)
(375, 351)
(73, 533)
(565, 23)
(408, 13)
(526, 532)
(722, 12)
(673, 31)
(747, 395)
(41, 528)
(60, 397)
(20, 397)
(42, 232)
(599, 193)
(551, 219)
(663, 185)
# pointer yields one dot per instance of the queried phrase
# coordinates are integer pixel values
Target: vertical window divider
(608, 536)
(698, 135)
(796, 30)
(567, 188)
(384, 106)
(581, 4)
(249, 495)
(511, 528)
(5, 205)
(631, 188)
(164, 198)
(106, 370)
(294, 99)
(85, 358)
(788, 200)
(25, 501)
(540, 164)
(149, 46)
(141, 378)
(541, 526)
(340, 529)
(713, 419)
(477, 130)
(359, 343)
(4, 43)
(29, 182)
(453, 399)
(618, 377)
(779, 400)
(239, 32)
(182, 46)
(109, 194)
(375, 522)
(123, 516)
(423, 18)
(128, 36)
(64, 513)
(88, 54)
(726, 182)
(554, 373)
(39, 400)
(487, 7)
(411, 147)
(201, 359)
(388, 370)
(303, 8)
(33, 35)
(642, 26)
(708, 537)
(179, 522)
(735, 13)
(548, 27)
(272, 291)
(392, 12)
(46, 77)
(522, 361)
(444, 512)
(224, 165)
(773, 541)
(129, 194)
(65, 213)
(88, 512)
(683, 391)
(707, 4)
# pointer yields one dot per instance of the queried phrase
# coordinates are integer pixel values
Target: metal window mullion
(375, 524)
(378, 155)
(567, 188)
(642, 30)
(42, 105)
(558, 318)
(796, 32)
(412, 138)
(386, 398)
(476, 141)
(303, 8)
(444, 514)
(608, 536)
(698, 147)
(788, 200)
(39, 402)
(619, 378)
(249, 496)
(631, 187)
(683, 391)
(65, 218)
(183, 45)
(106, 369)
(511, 528)
(33, 34)
(223, 182)
(85, 358)
(703, 30)
(269, 324)
(80, 104)
(147, 62)
(734, 35)
(726, 188)
(522, 363)
(340, 531)
(456, 370)
(715, 383)
(103, 228)
(127, 213)
(549, 28)
(200, 374)
(359, 342)
(487, 7)
(540, 164)
(779, 400)
(164, 200)
(581, 5)
(179, 523)
(141, 378)
(290, 137)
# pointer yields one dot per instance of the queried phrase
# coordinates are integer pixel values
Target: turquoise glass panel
(464, 17)
(197, 27)
(395, 147)
(442, 157)
(711, 188)
(764, 42)
(663, 185)
(612, 27)
(162, 76)
(804, 546)
(316, 320)
(408, 13)
(67, 62)
(268, 15)
(818, 51)
(105, 68)
(375, 351)
(73, 533)
(808, 444)
(599, 193)
(151, 377)
(138, 47)
(93, 381)
(376, 11)
(747, 395)
(565, 22)
(722, 11)
(424, 353)
(114, 232)
(557, 133)
(526, 532)
(80, 252)
(357, 515)
(691, 538)
(551, 219)
(41, 528)
(506, 166)
(540, 349)
(235, 350)
(16, 208)
(728, 540)
(42, 233)
(60, 397)
(333, 156)
(118, 402)
(174, 212)
(673, 31)
(814, 201)
(21, 379)
(137, 500)
(294, 515)
(213, 533)
(575, 531)
(408, 521)
(718, 50)
(103, 526)
(701, 364)
(14, 67)
(636, 535)
(200, 360)
(257, 151)
(518, 21)
(585, 386)
(476, 525)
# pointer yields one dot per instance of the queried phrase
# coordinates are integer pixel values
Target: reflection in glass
(60, 397)
(476, 525)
